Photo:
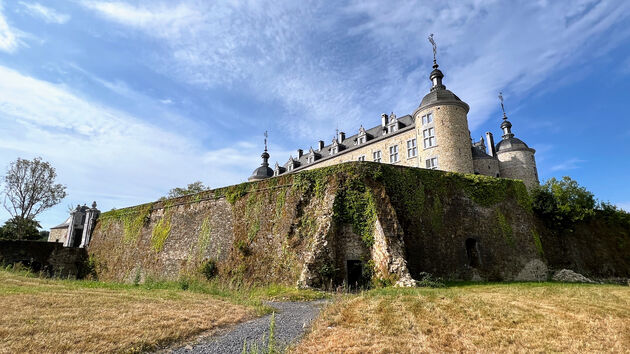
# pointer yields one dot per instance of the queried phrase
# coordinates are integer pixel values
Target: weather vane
(502, 107)
(266, 136)
(433, 45)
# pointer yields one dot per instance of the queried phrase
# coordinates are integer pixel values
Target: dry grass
(476, 318)
(38, 315)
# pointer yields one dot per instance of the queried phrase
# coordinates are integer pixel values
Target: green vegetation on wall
(506, 229)
(162, 229)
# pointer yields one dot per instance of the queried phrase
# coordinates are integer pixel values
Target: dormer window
(310, 158)
(362, 138)
(392, 126)
(334, 150)
(290, 167)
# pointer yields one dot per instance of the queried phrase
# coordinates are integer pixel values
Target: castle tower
(516, 159)
(442, 127)
(264, 171)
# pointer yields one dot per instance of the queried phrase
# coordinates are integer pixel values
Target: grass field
(519, 317)
(50, 315)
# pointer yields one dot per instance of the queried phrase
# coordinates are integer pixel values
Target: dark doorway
(472, 252)
(76, 238)
(355, 272)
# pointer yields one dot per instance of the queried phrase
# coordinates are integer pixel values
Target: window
(432, 163)
(290, 167)
(310, 159)
(377, 156)
(334, 150)
(393, 153)
(392, 128)
(362, 158)
(361, 140)
(429, 137)
(412, 148)
(427, 119)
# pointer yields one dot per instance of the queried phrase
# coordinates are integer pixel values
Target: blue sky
(129, 99)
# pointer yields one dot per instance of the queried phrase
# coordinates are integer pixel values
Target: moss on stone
(505, 228)
(538, 243)
(162, 229)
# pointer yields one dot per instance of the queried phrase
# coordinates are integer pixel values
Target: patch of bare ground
(519, 317)
(39, 315)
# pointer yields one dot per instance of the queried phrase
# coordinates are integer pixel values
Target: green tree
(562, 203)
(192, 188)
(18, 228)
(29, 189)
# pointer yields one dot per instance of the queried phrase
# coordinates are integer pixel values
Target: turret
(264, 171)
(442, 126)
(516, 159)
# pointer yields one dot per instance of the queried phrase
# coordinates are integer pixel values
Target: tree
(30, 188)
(192, 188)
(18, 228)
(562, 203)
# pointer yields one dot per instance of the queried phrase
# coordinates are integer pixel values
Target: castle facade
(434, 136)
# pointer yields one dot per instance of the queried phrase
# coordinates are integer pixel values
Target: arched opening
(472, 252)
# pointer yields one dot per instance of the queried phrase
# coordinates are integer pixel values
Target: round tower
(516, 159)
(442, 127)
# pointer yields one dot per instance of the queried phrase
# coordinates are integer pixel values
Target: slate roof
(349, 143)
(512, 144)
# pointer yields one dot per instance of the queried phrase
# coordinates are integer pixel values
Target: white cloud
(297, 54)
(47, 14)
(570, 164)
(624, 205)
(104, 154)
(8, 36)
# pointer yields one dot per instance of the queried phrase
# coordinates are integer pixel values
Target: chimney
(342, 137)
(490, 144)
(300, 152)
(383, 120)
(320, 145)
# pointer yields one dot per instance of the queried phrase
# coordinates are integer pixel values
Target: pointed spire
(436, 75)
(265, 154)
(506, 126)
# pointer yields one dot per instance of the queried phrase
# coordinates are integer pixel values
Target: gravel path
(291, 320)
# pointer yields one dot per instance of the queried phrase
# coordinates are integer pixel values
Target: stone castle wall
(519, 165)
(487, 167)
(452, 135)
(383, 146)
(303, 229)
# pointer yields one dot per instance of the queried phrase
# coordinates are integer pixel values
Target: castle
(435, 136)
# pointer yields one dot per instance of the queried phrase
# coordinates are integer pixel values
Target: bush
(563, 203)
(209, 269)
(427, 280)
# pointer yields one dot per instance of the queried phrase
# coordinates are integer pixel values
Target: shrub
(209, 269)
(427, 280)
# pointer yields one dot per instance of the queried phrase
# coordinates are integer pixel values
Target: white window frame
(334, 150)
(377, 156)
(393, 154)
(361, 158)
(429, 139)
(412, 148)
(431, 163)
(427, 118)
(290, 167)
(310, 158)
(361, 140)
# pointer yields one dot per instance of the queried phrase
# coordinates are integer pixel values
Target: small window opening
(355, 273)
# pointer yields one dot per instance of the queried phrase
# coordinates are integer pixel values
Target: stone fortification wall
(309, 228)
(49, 258)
